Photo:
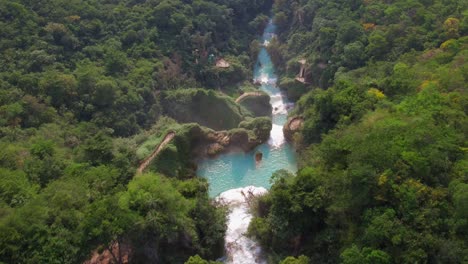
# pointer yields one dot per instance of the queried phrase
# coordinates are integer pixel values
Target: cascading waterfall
(229, 174)
(239, 248)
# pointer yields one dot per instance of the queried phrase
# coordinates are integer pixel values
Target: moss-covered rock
(194, 141)
(214, 149)
(260, 126)
(205, 107)
(293, 88)
(175, 159)
(293, 126)
(205, 142)
(259, 105)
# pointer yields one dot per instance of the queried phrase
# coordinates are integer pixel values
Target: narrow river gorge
(236, 177)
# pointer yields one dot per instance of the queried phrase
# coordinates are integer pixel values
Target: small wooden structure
(301, 76)
(221, 63)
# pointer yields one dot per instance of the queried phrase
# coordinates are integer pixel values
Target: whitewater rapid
(239, 248)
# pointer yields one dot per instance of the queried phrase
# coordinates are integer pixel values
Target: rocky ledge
(210, 143)
(292, 126)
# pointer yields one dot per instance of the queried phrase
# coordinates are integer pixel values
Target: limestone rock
(214, 149)
(293, 126)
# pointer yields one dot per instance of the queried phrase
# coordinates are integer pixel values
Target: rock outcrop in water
(292, 126)
(256, 102)
(207, 108)
(258, 156)
(251, 133)
(192, 141)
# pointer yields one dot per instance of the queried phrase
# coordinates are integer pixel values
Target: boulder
(292, 126)
(214, 149)
(258, 156)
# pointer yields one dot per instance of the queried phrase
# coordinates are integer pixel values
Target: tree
(44, 165)
(198, 260)
(164, 213)
(378, 44)
(298, 260)
(353, 55)
(349, 32)
(97, 149)
(109, 225)
(11, 114)
(354, 255)
(15, 189)
(115, 61)
(105, 93)
(452, 27)
(259, 23)
(281, 20)
(61, 88)
(42, 149)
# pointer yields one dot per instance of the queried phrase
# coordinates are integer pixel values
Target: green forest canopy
(384, 169)
(384, 166)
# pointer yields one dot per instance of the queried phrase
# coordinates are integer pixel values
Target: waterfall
(239, 248)
(229, 173)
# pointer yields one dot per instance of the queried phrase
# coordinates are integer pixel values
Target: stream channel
(236, 177)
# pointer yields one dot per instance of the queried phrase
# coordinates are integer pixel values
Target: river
(235, 177)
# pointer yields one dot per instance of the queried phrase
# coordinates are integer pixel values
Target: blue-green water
(236, 170)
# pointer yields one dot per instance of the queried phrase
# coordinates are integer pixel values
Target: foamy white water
(239, 248)
(264, 79)
(276, 136)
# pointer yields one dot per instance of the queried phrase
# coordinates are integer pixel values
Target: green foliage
(382, 157)
(198, 260)
(353, 255)
(98, 149)
(336, 36)
(155, 198)
(259, 105)
(153, 137)
(15, 189)
(294, 89)
(80, 83)
(383, 176)
(44, 165)
(261, 127)
(299, 260)
(167, 219)
(67, 58)
(373, 186)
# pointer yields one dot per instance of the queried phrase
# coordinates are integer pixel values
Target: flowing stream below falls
(235, 177)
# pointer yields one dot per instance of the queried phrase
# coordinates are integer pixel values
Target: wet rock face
(214, 149)
(220, 137)
(240, 139)
(293, 126)
(261, 127)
